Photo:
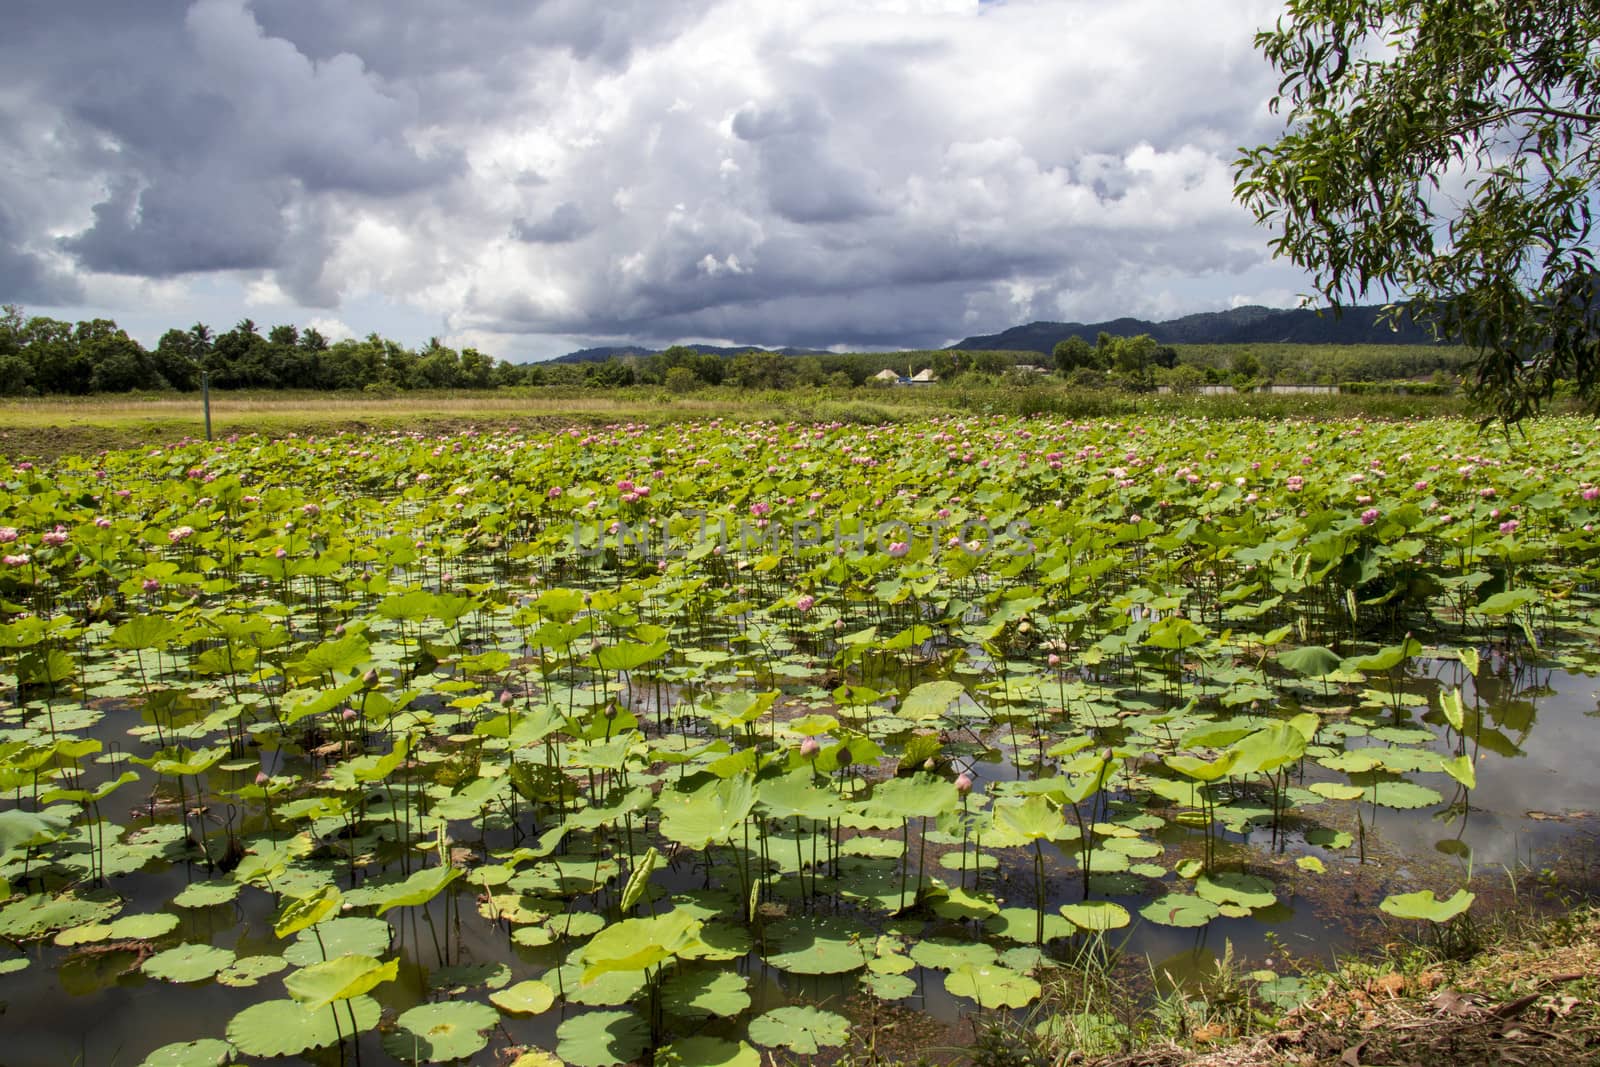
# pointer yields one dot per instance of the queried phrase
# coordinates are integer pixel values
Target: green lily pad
(1403, 796)
(706, 1051)
(576, 924)
(992, 986)
(890, 986)
(946, 954)
(816, 946)
(248, 971)
(1180, 909)
(1423, 905)
(206, 894)
(12, 966)
(602, 1038)
(696, 994)
(144, 927)
(284, 1028)
(802, 1030)
(960, 904)
(1022, 924)
(532, 997)
(1332, 839)
(1232, 887)
(187, 963)
(42, 913)
(340, 978)
(470, 976)
(1096, 915)
(438, 1033)
(352, 935)
(207, 1052)
(603, 991)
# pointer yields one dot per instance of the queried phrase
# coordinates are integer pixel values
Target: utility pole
(205, 398)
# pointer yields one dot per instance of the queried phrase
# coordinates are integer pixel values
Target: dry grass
(1533, 1001)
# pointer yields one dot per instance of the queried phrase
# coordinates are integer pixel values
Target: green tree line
(42, 356)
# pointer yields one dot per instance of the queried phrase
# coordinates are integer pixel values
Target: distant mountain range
(605, 352)
(1242, 325)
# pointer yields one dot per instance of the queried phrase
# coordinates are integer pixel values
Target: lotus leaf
(340, 978)
(351, 935)
(637, 944)
(1402, 795)
(187, 963)
(802, 1030)
(531, 997)
(695, 994)
(206, 894)
(1096, 915)
(1180, 909)
(1231, 887)
(1424, 905)
(438, 1033)
(992, 986)
(945, 954)
(249, 970)
(707, 1051)
(284, 1028)
(602, 1038)
(816, 946)
(207, 1052)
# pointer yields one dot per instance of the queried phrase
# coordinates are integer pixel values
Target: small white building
(886, 375)
(925, 376)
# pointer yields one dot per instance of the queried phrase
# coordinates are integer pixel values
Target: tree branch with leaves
(1441, 153)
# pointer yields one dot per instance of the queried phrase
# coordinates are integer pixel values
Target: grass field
(56, 426)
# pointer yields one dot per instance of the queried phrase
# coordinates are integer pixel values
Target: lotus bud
(809, 748)
(845, 758)
(338, 631)
(1108, 755)
(1053, 659)
(261, 778)
(348, 714)
(1024, 627)
(506, 698)
(963, 783)
(370, 679)
(928, 764)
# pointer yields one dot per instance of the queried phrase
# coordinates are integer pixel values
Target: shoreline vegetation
(52, 426)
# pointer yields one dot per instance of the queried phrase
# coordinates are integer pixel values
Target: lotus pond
(703, 742)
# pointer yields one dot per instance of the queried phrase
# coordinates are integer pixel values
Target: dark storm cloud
(888, 171)
(566, 223)
(205, 131)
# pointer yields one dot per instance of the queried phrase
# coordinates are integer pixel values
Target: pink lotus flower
(1592, 493)
(55, 538)
(963, 783)
(554, 491)
(809, 748)
(898, 548)
(805, 603)
(8, 534)
(16, 561)
(179, 534)
(1509, 526)
(151, 585)
(1369, 516)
